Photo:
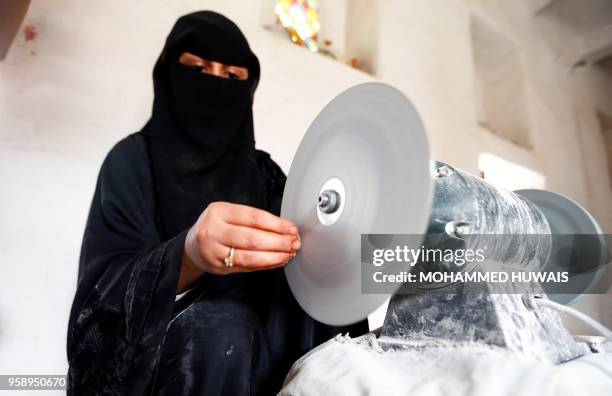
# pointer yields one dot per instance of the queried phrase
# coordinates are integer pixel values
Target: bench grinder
(364, 167)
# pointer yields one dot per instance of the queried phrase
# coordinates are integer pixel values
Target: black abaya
(233, 334)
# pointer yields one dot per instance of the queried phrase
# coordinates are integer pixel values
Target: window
(345, 30)
(300, 18)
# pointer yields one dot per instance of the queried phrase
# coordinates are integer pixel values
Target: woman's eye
(197, 66)
(232, 76)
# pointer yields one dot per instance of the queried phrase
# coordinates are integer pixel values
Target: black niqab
(201, 130)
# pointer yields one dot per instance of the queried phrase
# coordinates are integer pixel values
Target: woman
(188, 203)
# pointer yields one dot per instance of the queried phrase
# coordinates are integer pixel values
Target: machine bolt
(444, 171)
(458, 229)
(329, 201)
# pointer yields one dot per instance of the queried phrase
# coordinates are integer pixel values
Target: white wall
(85, 82)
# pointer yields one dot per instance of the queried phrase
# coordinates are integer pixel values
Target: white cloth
(345, 366)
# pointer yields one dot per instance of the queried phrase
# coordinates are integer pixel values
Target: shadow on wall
(11, 15)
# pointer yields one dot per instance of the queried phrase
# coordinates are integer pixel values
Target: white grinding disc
(370, 146)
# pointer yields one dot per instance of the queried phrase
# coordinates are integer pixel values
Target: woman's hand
(261, 241)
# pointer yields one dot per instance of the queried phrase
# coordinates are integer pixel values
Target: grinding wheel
(363, 167)
(585, 256)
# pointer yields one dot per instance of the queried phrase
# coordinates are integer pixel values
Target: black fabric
(201, 129)
(224, 346)
(125, 330)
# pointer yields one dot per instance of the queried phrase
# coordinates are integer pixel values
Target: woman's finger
(245, 260)
(248, 238)
(252, 260)
(247, 216)
(215, 253)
